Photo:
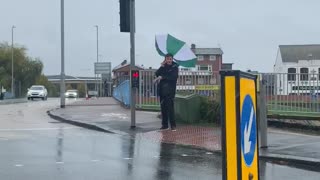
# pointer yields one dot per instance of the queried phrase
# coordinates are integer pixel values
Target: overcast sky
(248, 31)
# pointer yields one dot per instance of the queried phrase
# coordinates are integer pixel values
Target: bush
(210, 110)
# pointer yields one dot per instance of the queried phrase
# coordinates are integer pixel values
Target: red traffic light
(135, 74)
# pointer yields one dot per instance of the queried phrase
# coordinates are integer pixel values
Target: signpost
(239, 126)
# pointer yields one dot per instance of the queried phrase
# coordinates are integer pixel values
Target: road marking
(127, 158)
(209, 153)
(19, 165)
(38, 129)
(184, 155)
(95, 160)
(291, 133)
(293, 146)
(59, 162)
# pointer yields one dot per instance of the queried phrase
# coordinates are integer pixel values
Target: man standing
(167, 76)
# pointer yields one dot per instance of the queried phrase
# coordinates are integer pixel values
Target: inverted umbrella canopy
(181, 52)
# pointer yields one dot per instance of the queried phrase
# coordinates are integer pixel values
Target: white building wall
(283, 87)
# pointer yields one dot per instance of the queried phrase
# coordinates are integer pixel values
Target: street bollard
(263, 121)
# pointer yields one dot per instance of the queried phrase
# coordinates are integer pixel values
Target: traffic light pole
(132, 63)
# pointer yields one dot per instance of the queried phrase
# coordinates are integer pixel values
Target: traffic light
(125, 15)
(135, 78)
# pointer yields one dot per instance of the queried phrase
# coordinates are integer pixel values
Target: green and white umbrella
(181, 52)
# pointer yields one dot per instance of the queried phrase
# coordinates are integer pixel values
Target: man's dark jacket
(168, 83)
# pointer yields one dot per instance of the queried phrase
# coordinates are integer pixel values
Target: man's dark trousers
(167, 111)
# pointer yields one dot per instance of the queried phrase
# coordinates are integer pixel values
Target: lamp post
(96, 75)
(12, 64)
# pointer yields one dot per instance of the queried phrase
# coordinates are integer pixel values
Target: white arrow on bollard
(247, 132)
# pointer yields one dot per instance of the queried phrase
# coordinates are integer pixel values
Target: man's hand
(157, 80)
(163, 63)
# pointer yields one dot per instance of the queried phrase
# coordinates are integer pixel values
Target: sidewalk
(105, 114)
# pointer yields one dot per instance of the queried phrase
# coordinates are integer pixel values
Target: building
(208, 59)
(122, 72)
(297, 68)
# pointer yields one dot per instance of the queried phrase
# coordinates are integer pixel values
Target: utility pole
(132, 62)
(62, 78)
(12, 64)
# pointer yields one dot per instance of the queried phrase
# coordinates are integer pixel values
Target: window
(204, 68)
(319, 73)
(185, 69)
(200, 58)
(304, 76)
(212, 58)
(292, 74)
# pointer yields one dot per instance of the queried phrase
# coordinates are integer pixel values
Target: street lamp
(12, 68)
(96, 75)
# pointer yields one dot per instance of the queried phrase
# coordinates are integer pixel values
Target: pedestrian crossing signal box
(239, 137)
(135, 78)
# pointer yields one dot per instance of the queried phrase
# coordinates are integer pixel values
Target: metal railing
(292, 94)
(200, 82)
(122, 93)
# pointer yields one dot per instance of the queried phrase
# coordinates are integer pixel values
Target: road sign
(102, 68)
(239, 126)
(248, 130)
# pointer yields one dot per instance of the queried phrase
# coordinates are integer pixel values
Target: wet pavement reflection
(75, 154)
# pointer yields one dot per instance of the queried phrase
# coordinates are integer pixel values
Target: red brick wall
(216, 65)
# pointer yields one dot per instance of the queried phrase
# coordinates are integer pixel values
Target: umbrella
(181, 52)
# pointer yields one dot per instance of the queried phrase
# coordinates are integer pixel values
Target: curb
(294, 160)
(76, 123)
(5, 102)
(298, 162)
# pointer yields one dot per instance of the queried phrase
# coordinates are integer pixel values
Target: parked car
(37, 91)
(72, 93)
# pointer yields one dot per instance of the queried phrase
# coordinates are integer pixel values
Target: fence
(292, 95)
(122, 92)
(201, 82)
(295, 95)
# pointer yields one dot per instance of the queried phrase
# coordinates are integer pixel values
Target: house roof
(294, 53)
(208, 51)
(57, 77)
(125, 65)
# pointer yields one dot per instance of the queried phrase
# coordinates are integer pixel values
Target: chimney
(193, 46)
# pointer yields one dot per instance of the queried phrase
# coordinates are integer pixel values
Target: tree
(26, 69)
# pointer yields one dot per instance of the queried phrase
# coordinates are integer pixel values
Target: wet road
(33, 146)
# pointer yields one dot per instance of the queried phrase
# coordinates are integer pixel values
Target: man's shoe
(164, 128)
(173, 129)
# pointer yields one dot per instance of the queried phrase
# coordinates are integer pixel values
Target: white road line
(19, 165)
(127, 158)
(38, 129)
(291, 133)
(184, 155)
(293, 146)
(59, 162)
(95, 160)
